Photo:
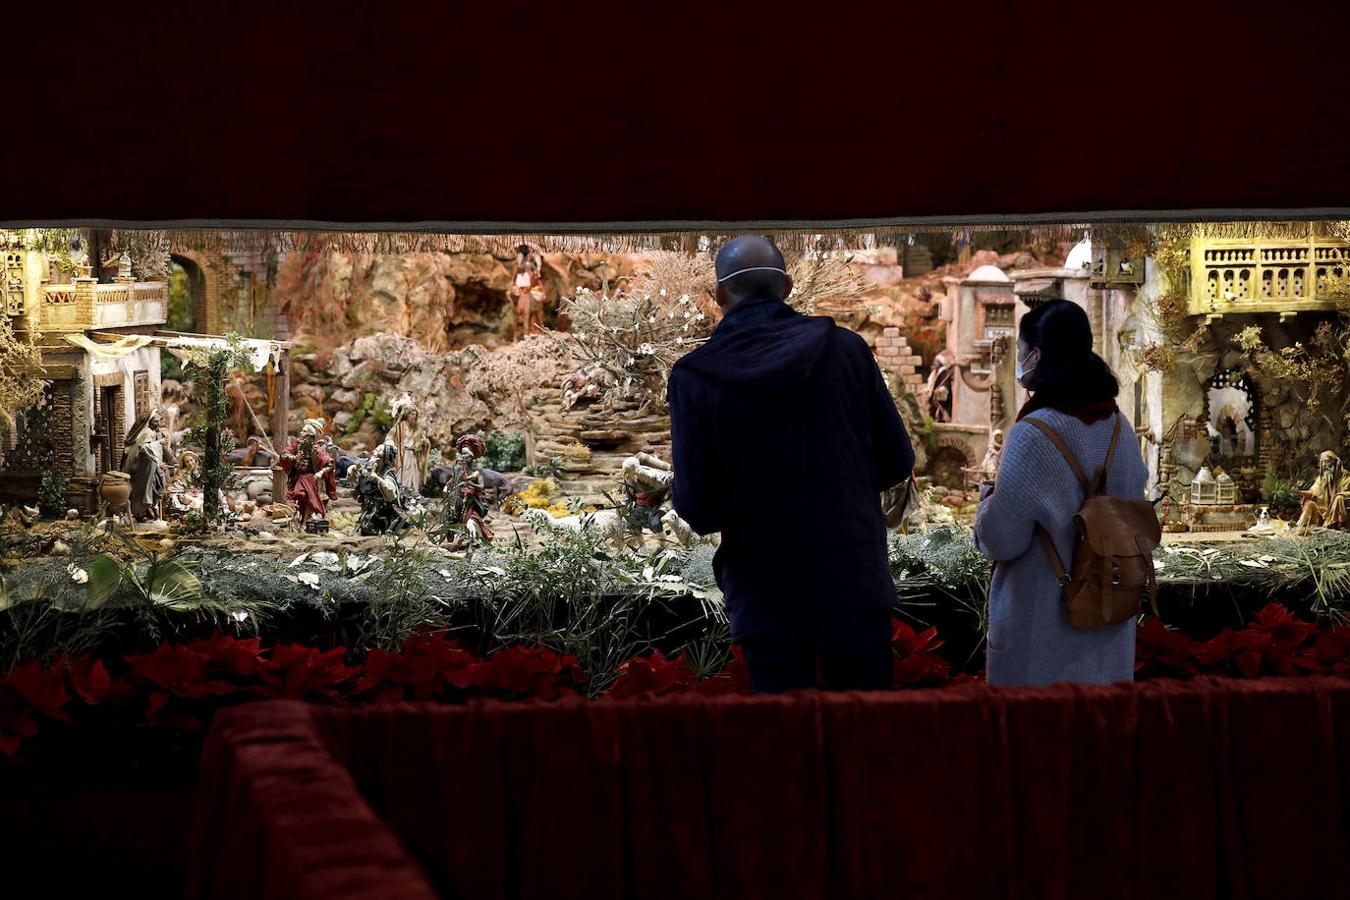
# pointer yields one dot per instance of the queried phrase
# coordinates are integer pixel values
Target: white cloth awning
(113, 350)
(197, 349)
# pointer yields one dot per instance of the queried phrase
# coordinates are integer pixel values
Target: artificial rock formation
(591, 442)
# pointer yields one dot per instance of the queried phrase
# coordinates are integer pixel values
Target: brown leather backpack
(1113, 555)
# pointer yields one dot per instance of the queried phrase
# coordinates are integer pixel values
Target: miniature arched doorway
(187, 295)
(1232, 417)
(947, 465)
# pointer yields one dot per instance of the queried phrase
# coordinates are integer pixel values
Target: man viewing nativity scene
(779, 398)
(306, 465)
(143, 460)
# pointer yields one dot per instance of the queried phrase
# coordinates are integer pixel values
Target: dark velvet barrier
(612, 111)
(1203, 789)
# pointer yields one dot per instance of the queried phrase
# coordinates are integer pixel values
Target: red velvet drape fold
(1202, 789)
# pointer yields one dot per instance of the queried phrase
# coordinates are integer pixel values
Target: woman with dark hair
(1073, 392)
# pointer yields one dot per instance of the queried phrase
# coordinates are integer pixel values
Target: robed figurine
(307, 466)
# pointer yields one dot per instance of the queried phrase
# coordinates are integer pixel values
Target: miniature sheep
(607, 523)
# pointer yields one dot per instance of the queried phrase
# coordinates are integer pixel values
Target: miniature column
(85, 286)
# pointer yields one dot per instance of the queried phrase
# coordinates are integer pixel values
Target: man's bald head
(750, 266)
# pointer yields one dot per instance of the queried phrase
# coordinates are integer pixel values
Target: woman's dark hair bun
(1069, 372)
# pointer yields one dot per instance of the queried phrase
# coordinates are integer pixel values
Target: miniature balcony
(87, 305)
(1260, 275)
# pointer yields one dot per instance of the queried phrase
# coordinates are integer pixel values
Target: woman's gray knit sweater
(1030, 641)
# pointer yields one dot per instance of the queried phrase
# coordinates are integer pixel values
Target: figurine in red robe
(306, 466)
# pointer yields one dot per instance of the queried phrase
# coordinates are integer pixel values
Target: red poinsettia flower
(520, 671)
(296, 672)
(734, 679)
(16, 726)
(1249, 651)
(1216, 652)
(423, 669)
(652, 676)
(916, 661)
(230, 656)
(179, 671)
(89, 678)
(908, 642)
(1331, 651)
(42, 689)
(1163, 653)
(920, 670)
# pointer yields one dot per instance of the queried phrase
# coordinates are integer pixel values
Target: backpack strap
(1056, 562)
(1099, 479)
(1089, 489)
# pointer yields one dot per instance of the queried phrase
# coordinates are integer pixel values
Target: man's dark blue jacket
(785, 435)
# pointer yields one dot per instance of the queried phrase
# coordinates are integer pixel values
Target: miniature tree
(215, 473)
(635, 334)
(20, 374)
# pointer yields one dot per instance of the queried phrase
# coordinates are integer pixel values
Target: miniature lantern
(1204, 489)
(1225, 490)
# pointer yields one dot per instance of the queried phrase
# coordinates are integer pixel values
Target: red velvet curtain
(1192, 790)
(522, 112)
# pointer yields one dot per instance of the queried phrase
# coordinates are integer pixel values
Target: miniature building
(1264, 275)
(100, 346)
(91, 397)
(1111, 310)
(982, 312)
(1280, 284)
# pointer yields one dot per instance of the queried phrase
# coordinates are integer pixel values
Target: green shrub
(52, 494)
(1279, 493)
(505, 451)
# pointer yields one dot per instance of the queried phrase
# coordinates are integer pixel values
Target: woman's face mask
(1026, 365)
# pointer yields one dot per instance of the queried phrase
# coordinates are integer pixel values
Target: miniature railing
(1285, 276)
(86, 304)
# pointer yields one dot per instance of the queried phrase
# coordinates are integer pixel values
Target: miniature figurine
(143, 461)
(467, 502)
(989, 466)
(527, 291)
(1264, 525)
(414, 448)
(940, 389)
(305, 465)
(124, 266)
(184, 495)
(385, 503)
(585, 384)
(647, 483)
(1324, 501)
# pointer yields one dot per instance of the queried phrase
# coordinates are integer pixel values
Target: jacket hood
(762, 342)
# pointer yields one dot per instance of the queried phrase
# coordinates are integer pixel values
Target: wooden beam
(281, 405)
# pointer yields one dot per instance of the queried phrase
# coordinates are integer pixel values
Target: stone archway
(189, 307)
(947, 464)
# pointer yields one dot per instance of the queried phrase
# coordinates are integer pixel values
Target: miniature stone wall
(593, 441)
(895, 356)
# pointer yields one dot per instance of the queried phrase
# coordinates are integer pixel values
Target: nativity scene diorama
(1224, 343)
(472, 433)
